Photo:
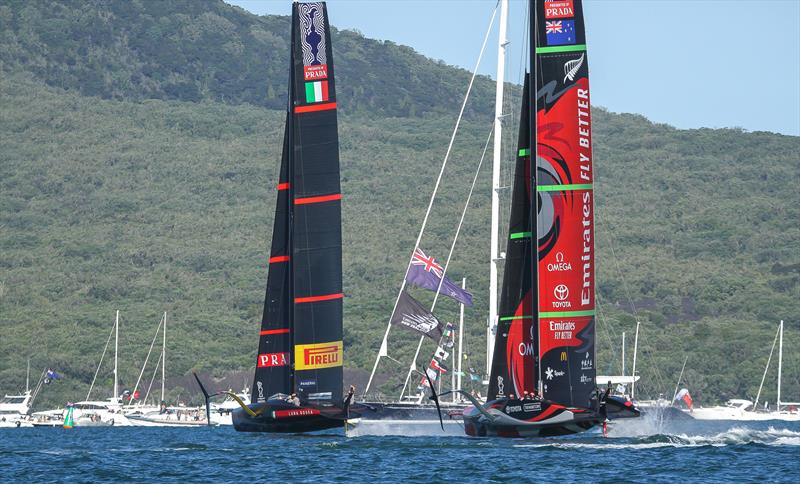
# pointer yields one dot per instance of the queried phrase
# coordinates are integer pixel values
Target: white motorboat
(179, 416)
(14, 410)
(740, 409)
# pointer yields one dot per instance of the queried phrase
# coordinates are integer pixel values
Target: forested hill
(206, 50)
(138, 160)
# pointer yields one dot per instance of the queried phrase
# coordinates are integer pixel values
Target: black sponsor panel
(568, 372)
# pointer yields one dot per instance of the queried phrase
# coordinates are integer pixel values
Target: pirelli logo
(318, 355)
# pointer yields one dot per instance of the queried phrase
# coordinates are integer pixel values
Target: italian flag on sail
(316, 91)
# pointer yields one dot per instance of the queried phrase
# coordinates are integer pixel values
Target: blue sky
(688, 63)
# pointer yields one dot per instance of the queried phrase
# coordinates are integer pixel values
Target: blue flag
(426, 273)
(560, 32)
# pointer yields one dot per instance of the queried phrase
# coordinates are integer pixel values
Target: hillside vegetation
(139, 144)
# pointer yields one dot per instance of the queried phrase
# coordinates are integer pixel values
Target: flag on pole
(426, 273)
(410, 314)
(438, 366)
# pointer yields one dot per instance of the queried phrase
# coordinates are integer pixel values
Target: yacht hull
(280, 417)
(528, 418)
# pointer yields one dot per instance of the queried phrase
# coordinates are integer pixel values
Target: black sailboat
(542, 380)
(298, 376)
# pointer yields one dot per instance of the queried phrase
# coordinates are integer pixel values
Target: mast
(780, 363)
(494, 256)
(635, 350)
(623, 353)
(678, 384)
(28, 377)
(766, 368)
(456, 396)
(164, 359)
(116, 351)
(533, 32)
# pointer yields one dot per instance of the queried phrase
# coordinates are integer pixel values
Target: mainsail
(513, 360)
(545, 334)
(300, 346)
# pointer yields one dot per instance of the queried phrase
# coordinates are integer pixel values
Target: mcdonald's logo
(563, 356)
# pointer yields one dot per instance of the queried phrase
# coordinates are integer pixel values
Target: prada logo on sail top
(318, 355)
(558, 9)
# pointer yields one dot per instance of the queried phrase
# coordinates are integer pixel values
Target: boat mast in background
(494, 256)
(116, 353)
(635, 350)
(780, 363)
(458, 373)
(164, 359)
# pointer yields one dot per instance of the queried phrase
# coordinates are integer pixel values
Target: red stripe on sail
(326, 297)
(315, 107)
(274, 331)
(279, 258)
(283, 186)
(323, 198)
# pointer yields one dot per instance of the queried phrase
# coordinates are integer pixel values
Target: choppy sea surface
(634, 451)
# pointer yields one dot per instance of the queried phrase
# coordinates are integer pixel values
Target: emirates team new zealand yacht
(545, 344)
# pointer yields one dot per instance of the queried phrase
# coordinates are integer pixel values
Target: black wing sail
(273, 364)
(317, 217)
(513, 362)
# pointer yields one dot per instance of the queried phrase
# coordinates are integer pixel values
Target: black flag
(412, 315)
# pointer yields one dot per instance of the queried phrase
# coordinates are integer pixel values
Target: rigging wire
(108, 341)
(450, 254)
(158, 329)
(430, 203)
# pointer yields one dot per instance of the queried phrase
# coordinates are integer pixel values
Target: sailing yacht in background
(740, 409)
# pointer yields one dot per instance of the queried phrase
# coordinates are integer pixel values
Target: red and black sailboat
(298, 376)
(542, 380)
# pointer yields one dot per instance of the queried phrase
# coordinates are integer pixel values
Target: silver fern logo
(572, 67)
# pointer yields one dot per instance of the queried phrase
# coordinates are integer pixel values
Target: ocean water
(690, 452)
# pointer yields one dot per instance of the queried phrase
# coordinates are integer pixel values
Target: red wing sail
(565, 220)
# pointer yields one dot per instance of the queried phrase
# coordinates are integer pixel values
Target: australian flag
(560, 32)
(426, 273)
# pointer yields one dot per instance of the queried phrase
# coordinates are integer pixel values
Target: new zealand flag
(426, 273)
(560, 32)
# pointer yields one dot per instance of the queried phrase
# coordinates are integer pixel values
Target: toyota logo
(561, 292)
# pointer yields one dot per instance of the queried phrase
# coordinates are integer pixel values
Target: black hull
(287, 419)
(528, 418)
